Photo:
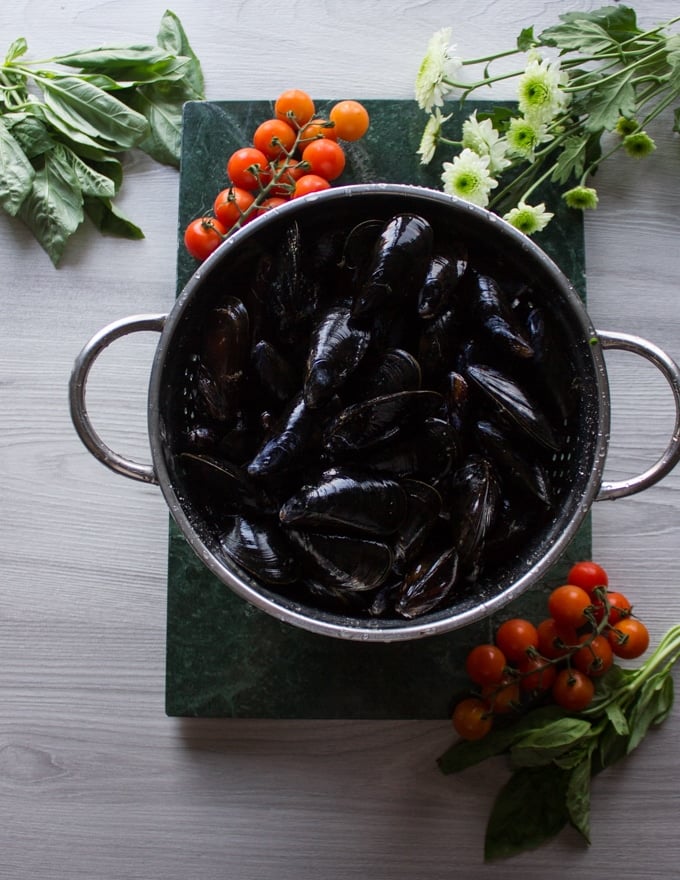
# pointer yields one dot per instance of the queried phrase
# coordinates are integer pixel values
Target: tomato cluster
(294, 153)
(559, 659)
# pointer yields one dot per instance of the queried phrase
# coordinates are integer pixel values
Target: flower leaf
(529, 810)
(609, 101)
(571, 160)
(16, 172)
(526, 39)
(592, 31)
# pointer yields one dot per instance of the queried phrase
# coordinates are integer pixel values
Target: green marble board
(228, 659)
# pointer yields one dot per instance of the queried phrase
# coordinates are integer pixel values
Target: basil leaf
(652, 706)
(110, 220)
(529, 810)
(95, 112)
(172, 37)
(113, 58)
(18, 48)
(617, 719)
(161, 104)
(31, 133)
(53, 209)
(16, 172)
(90, 181)
(578, 795)
(611, 747)
(465, 753)
(86, 146)
(539, 747)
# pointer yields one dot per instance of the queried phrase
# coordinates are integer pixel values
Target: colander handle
(79, 415)
(671, 455)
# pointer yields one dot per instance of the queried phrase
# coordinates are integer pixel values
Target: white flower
(430, 137)
(437, 67)
(529, 218)
(468, 177)
(483, 138)
(524, 135)
(541, 96)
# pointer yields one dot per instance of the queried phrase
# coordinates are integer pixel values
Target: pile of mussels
(373, 418)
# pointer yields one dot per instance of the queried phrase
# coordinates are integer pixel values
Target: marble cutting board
(227, 659)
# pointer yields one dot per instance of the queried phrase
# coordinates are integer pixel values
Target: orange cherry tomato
(203, 236)
(294, 106)
(472, 719)
(231, 203)
(309, 183)
(567, 605)
(247, 168)
(325, 158)
(629, 638)
(274, 137)
(316, 129)
(351, 120)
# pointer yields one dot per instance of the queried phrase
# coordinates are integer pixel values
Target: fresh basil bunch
(59, 153)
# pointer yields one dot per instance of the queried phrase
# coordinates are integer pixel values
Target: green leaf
(673, 61)
(579, 35)
(90, 181)
(463, 753)
(30, 131)
(578, 795)
(617, 719)
(529, 810)
(610, 100)
(526, 39)
(110, 220)
(611, 747)
(53, 209)
(18, 48)
(16, 172)
(676, 120)
(571, 160)
(540, 747)
(652, 706)
(108, 59)
(172, 37)
(86, 145)
(618, 23)
(95, 112)
(161, 104)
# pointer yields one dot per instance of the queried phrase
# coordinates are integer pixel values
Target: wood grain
(95, 781)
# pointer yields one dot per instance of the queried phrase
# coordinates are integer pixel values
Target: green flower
(437, 67)
(483, 138)
(431, 135)
(524, 135)
(626, 126)
(582, 197)
(468, 177)
(529, 218)
(541, 97)
(638, 145)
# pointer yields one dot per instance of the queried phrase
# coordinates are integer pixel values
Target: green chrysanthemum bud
(583, 198)
(638, 145)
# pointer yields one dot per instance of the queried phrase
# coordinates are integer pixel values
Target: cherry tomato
(536, 674)
(274, 137)
(594, 658)
(472, 719)
(317, 128)
(516, 637)
(619, 607)
(309, 183)
(231, 203)
(553, 639)
(485, 664)
(294, 106)
(503, 697)
(325, 158)
(629, 638)
(351, 120)
(587, 575)
(203, 236)
(567, 605)
(240, 163)
(269, 203)
(286, 172)
(573, 690)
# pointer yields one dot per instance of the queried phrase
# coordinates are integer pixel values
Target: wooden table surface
(95, 781)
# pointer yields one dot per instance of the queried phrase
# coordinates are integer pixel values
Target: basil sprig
(554, 754)
(64, 123)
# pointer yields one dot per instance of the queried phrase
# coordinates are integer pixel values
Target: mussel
(335, 352)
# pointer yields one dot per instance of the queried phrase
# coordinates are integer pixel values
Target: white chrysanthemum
(483, 138)
(529, 218)
(437, 67)
(524, 135)
(468, 177)
(541, 96)
(431, 135)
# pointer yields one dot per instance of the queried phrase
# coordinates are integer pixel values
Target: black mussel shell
(343, 561)
(260, 546)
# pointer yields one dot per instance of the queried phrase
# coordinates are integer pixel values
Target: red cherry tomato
(594, 658)
(269, 203)
(552, 639)
(325, 158)
(247, 168)
(230, 205)
(516, 637)
(203, 236)
(309, 183)
(588, 575)
(274, 137)
(536, 674)
(567, 605)
(294, 106)
(503, 697)
(629, 638)
(472, 719)
(485, 664)
(351, 120)
(573, 690)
